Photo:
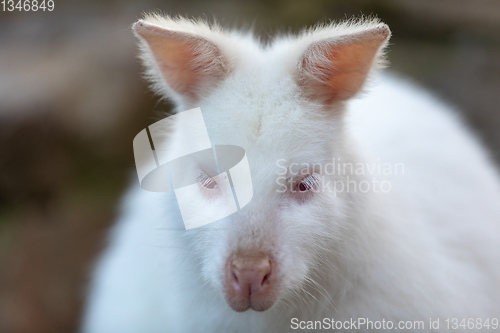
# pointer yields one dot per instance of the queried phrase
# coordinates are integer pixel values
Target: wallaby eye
(206, 181)
(309, 183)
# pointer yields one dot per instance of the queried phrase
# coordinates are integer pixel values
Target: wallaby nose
(250, 273)
(249, 282)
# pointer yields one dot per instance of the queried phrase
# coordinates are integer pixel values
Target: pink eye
(302, 187)
(206, 181)
(309, 183)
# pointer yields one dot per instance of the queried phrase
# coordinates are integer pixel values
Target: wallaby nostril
(266, 279)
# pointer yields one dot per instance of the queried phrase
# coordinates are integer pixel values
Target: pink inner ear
(182, 65)
(189, 64)
(336, 70)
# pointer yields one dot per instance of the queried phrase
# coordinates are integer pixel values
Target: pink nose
(250, 274)
(250, 282)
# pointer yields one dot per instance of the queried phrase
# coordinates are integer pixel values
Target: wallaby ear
(335, 68)
(180, 60)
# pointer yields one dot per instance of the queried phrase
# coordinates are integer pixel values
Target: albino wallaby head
(283, 103)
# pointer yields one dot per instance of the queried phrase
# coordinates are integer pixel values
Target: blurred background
(72, 98)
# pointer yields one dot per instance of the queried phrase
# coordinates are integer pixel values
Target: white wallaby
(374, 213)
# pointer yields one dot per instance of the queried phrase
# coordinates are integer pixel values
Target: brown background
(72, 99)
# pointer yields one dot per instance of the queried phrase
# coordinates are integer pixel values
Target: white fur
(428, 248)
